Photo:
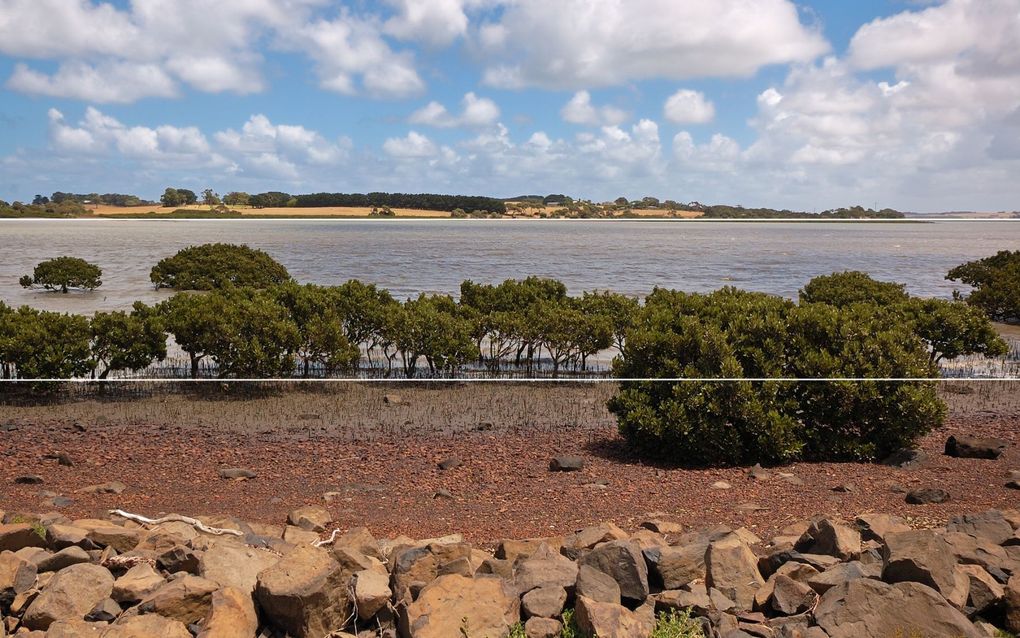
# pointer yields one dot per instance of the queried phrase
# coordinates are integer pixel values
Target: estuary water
(412, 256)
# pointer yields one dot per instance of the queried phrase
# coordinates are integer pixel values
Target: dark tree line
(420, 201)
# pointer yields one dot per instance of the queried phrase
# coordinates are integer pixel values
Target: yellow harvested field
(332, 211)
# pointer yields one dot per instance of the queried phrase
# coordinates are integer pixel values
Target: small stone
(442, 493)
(450, 463)
(392, 399)
(543, 628)
(28, 479)
(544, 602)
(662, 526)
(721, 485)
(906, 458)
(927, 496)
(749, 508)
(236, 473)
(566, 463)
(759, 473)
(972, 447)
(844, 488)
(113, 487)
(792, 479)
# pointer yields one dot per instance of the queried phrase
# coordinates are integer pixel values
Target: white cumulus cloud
(580, 110)
(476, 111)
(689, 107)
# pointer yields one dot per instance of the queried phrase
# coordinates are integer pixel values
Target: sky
(906, 104)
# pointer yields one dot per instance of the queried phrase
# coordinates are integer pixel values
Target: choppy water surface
(412, 256)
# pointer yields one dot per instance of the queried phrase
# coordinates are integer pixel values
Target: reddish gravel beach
(388, 481)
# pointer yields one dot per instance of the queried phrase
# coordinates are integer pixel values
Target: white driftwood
(328, 541)
(194, 522)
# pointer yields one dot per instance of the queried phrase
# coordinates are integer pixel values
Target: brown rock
(984, 591)
(574, 544)
(453, 605)
(304, 594)
(230, 563)
(542, 628)
(371, 592)
(973, 447)
(919, 556)
(186, 599)
(674, 567)
(71, 594)
(511, 550)
(60, 536)
(831, 538)
(360, 540)
(624, 562)
(421, 564)
(136, 584)
(843, 573)
(19, 536)
(991, 526)
(874, 527)
(545, 569)
(606, 619)
(17, 575)
(75, 629)
(661, 526)
(1013, 604)
(544, 602)
(732, 568)
(64, 558)
(231, 615)
(147, 626)
(865, 607)
(790, 597)
(313, 518)
(121, 539)
(596, 585)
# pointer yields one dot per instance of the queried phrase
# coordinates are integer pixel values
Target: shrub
(757, 342)
(996, 283)
(846, 288)
(676, 624)
(64, 273)
(212, 266)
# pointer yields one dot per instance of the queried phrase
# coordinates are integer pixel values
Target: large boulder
(455, 605)
(371, 592)
(973, 447)
(624, 562)
(71, 594)
(231, 615)
(874, 527)
(421, 564)
(983, 591)
(674, 567)
(865, 607)
(606, 619)
(732, 568)
(64, 558)
(597, 585)
(17, 575)
(919, 556)
(19, 536)
(304, 594)
(545, 569)
(791, 597)
(831, 538)
(991, 526)
(230, 563)
(186, 599)
(1013, 604)
(137, 583)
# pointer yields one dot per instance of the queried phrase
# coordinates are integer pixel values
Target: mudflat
(371, 453)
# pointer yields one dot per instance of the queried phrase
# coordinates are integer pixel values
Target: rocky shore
(125, 576)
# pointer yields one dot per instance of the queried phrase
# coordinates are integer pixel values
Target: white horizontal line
(526, 380)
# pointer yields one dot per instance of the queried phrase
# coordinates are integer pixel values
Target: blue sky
(811, 105)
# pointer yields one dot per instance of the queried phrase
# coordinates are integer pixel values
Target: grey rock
(597, 585)
(927, 496)
(624, 562)
(566, 463)
(973, 447)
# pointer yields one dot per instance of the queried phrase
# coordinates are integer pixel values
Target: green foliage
(212, 266)
(996, 283)
(953, 329)
(850, 287)
(619, 310)
(64, 273)
(517, 631)
(236, 198)
(246, 332)
(122, 341)
(752, 338)
(36, 344)
(570, 628)
(316, 312)
(430, 327)
(676, 624)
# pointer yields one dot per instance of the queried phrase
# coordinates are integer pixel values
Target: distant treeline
(416, 201)
(109, 199)
(739, 212)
